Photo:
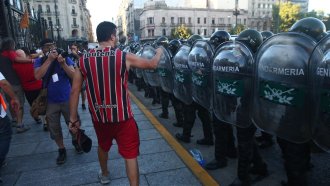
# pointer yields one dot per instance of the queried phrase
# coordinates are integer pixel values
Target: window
(205, 32)
(48, 8)
(198, 31)
(221, 20)
(73, 10)
(213, 21)
(164, 32)
(204, 20)
(229, 20)
(244, 21)
(198, 20)
(151, 32)
(39, 8)
(74, 20)
(238, 21)
(57, 21)
(172, 20)
(258, 5)
(181, 20)
(50, 23)
(252, 13)
(189, 20)
(163, 19)
(150, 20)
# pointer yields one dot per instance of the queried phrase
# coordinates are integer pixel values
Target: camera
(63, 53)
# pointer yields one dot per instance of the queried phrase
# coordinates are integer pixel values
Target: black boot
(216, 164)
(239, 182)
(182, 138)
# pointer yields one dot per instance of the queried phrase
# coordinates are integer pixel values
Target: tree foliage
(289, 14)
(181, 32)
(237, 29)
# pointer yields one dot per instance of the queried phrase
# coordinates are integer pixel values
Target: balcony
(150, 25)
(49, 13)
(163, 24)
(74, 26)
(74, 13)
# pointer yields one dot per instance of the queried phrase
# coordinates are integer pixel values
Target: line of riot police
(276, 83)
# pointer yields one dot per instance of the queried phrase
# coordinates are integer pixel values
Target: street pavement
(163, 161)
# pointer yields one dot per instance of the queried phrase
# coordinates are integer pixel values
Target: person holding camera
(56, 70)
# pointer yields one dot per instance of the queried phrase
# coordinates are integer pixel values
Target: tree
(237, 29)
(181, 32)
(289, 14)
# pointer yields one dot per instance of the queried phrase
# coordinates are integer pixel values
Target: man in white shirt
(5, 124)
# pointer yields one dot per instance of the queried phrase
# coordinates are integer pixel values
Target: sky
(106, 10)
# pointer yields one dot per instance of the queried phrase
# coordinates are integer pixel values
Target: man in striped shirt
(105, 71)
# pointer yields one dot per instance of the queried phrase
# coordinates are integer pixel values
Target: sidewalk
(32, 155)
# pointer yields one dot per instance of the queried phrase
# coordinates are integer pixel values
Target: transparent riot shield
(182, 75)
(150, 75)
(232, 83)
(320, 81)
(200, 63)
(165, 71)
(282, 94)
(138, 71)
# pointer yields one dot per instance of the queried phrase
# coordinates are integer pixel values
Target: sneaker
(83, 106)
(21, 129)
(103, 179)
(77, 147)
(61, 158)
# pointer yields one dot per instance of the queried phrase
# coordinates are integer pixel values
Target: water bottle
(197, 155)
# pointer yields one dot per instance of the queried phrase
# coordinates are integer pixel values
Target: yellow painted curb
(199, 172)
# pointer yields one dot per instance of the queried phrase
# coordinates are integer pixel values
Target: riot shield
(165, 71)
(320, 77)
(232, 83)
(150, 75)
(200, 63)
(138, 72)
(282, 96)
(182, 75)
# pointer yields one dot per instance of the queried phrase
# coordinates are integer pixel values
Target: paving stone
(149, 134)
(154, 146)
(161, 161)
(182, 177)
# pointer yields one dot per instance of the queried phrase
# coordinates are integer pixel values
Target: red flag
(25, 20)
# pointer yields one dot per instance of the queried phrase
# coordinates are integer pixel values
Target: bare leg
(60, 143)
(132, 171)
(103, 160)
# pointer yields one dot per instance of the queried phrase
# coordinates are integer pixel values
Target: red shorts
(125, 133)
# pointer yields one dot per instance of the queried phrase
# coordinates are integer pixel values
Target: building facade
(65, 18)
(260, 14)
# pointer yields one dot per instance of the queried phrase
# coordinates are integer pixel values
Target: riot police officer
(297, 155)
(223, 132)
(189, 111)
(249, 159)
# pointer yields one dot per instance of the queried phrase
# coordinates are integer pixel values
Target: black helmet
(219, 37)
(174, 45)
(310, 26)
(251, 38)
(162, 41)
(193, 38)
(266, 34)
